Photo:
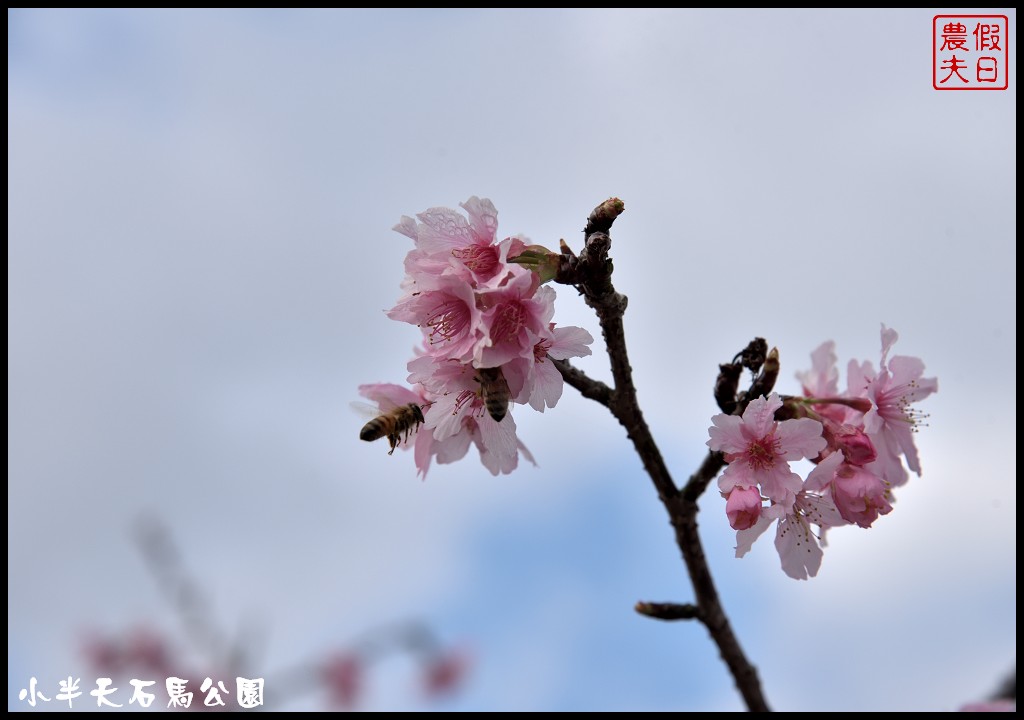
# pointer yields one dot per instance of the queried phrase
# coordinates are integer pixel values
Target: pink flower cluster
(488, 339)
(858, 440)
(345, 674)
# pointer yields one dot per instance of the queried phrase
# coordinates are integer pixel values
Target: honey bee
(395, 425)
(494, 391)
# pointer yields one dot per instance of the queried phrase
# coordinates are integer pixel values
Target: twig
(668, 611)
(588, 387)
(191, 604)
(1008, 688)
(591, 275)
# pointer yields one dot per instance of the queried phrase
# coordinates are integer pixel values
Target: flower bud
(855, 444)
(540, 260)
(859, 495)
(743, 508)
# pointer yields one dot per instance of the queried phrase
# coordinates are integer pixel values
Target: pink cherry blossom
(759, 449)
(821, 383)
(796, 544)
(477, 310)
(421, 267)
(535, 380)
(444, 308)
(447, 672)
(850, 440)
(799, 547)
(743, 507)
(822, 380)
(461, 420)
(458, 417)
(513, 318)
(893, 420)
(446, 241)
(483, 219)
(860, 496)
(854, 443)
(866, 442)
(343, 676)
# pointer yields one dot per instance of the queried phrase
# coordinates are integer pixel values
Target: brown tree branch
(591, 274)
(1008, 688)
(698, 482)
(668, 611)
(588, 387)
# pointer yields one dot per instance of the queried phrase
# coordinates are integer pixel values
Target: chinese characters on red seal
(970, 52)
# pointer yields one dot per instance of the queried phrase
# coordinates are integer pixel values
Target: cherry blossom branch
(708, 470)
(162, 556)
(1008, 688)
(590, 273)
(588, 387)
(485, 313)
(765, 365)
(342, 673)
(668, 611)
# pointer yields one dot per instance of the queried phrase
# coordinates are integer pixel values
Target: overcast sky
(200, 254)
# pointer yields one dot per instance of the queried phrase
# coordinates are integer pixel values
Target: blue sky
(200, 254)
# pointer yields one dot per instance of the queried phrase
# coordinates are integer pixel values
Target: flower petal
(547, 387)
(483, 218)
(726, 435)
(442, 230)
(745, 538)
(570, 342)
(759, 417)
(798, 548)
(822, 474)
(800, 438)
(388, 396)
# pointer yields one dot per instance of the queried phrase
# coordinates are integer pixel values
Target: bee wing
(365, 410)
